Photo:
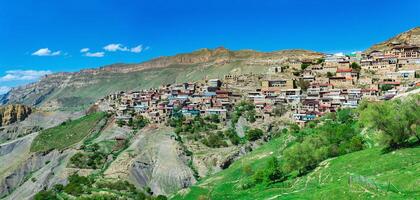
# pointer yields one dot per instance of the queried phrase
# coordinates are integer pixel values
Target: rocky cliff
(13, 113)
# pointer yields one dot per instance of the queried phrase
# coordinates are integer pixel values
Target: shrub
(386, 87)
(77, 185)
(303, 66)
(233, 136)
(46, 195)
(140, 122)
(329, 74)
(396, 120)
(247, 169)
(273, 172)
(253, 134)
(215, 140)
(337, 135)
(259, 176)
(161, 197)
(355, 66)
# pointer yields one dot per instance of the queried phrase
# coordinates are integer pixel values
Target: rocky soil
(154, 160)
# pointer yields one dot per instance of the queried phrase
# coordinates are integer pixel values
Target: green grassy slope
(360, 175)
(66, 134)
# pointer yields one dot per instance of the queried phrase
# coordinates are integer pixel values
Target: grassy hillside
(78, 97)
(328, 159)
(66, 134)
(360, 175)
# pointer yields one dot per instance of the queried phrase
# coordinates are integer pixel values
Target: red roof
(390, 82)
(344, 70)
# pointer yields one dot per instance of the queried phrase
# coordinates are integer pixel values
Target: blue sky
(48, 36)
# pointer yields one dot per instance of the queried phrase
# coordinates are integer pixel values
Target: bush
(273, 172)
(259, 176)
(329, 74)
(304, 85)
(46, 195)
(337, 135)
(77, 185)
(215, 140)
(386, 87)
(140, 122)
(120, 123)
(161, 197)
(398, 121)
(253, 134)
(233, 136)
(247, 169)
(245, 109)
(90, 160)
(303, 66)
(355, 66)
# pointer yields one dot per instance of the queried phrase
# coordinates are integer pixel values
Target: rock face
(410, 37)
(13, 113)
(153, 160)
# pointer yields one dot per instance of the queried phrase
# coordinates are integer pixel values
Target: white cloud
(97, 54)
(46, 52)
(115, 47)
(137, 49)
(84, 50)
(23, 75)
(4, 89)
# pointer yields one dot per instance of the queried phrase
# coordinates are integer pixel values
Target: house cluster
(157, 105)
(306, 88)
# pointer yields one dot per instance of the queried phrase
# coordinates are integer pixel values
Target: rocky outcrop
(39, 171)
(13, 113)
(35, 122)
(153, 160)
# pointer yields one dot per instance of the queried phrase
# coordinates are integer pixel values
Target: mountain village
(307, 89)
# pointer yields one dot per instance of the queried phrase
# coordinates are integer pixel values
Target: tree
(280, 110)
(253, 134)
(120, 122)
(233, 136)
(46, 195)
(303, 66)
(304, 85)
(214, 118)
(320, 60)
(355, 66)
(386, 87)
(259, 176)
(330, 74)
(397, 120)
(273, 171)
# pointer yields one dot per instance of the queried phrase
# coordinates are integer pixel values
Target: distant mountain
(410, 37)
(80, 89)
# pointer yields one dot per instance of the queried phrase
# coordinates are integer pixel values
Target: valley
(220, 124)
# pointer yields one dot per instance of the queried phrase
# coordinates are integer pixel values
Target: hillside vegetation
(66, 134)
(337, 157)
(360, 175)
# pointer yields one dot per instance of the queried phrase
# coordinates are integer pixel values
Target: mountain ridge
(410, 37)
(91, 82)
